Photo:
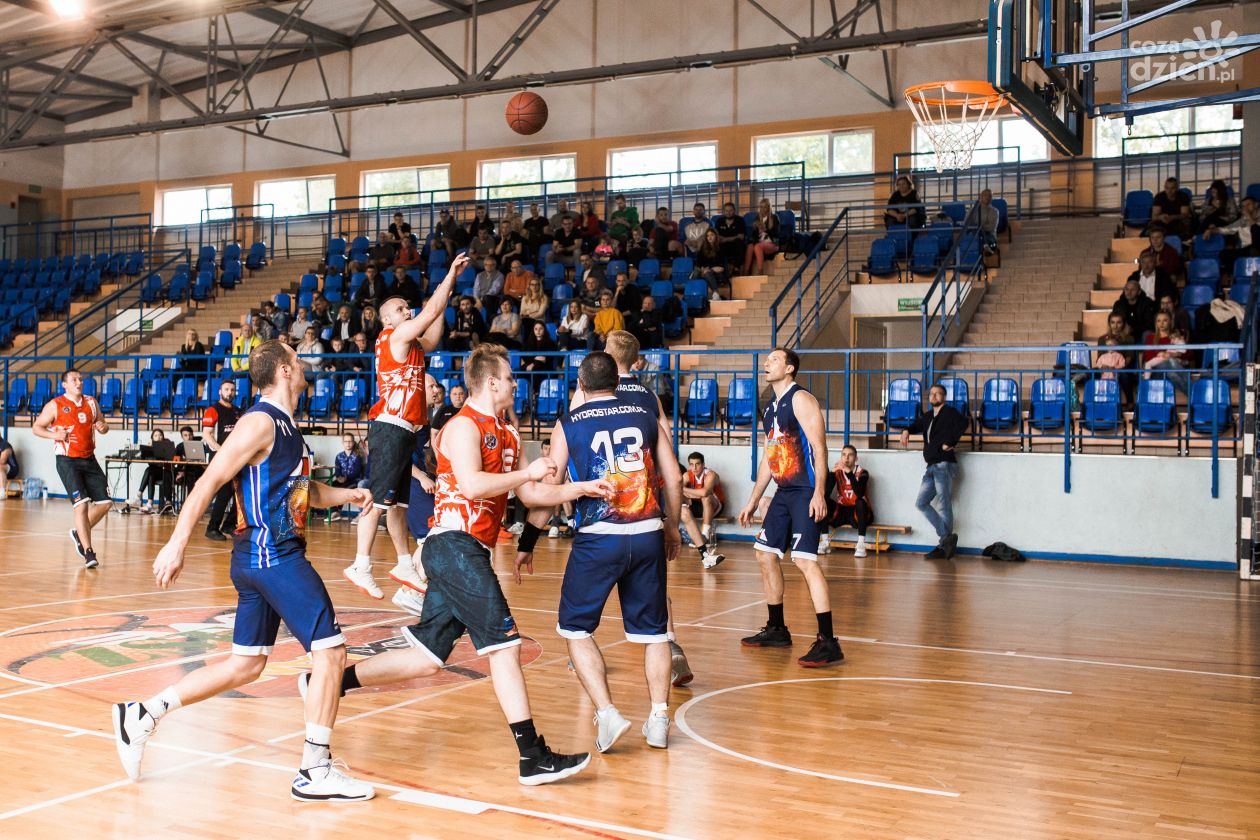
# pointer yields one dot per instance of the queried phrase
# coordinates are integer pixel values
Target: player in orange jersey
(71, 421)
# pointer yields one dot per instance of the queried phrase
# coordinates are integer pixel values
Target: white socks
(661, 709)
(363, 561)
(606, 712)
(316, 750)
(404, 559)
(166, 701)
(861, 540)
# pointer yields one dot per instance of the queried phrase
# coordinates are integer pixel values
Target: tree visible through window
(413, 185)
(297, 197)
(1208, 126)
(824, 154)
(524, 177)
(658, 166)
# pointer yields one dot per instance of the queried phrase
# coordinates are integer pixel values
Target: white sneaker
(860, 549)
(553, 532)
(517, 528)
(656, 730)
(132, 727)
(405, 573)
(715, 296)
(709, 559)
(362, 578)
(680, 670)
(824, 544)
(327, 783)
(409, 600)
(608, 729)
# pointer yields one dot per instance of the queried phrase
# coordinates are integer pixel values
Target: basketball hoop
(954, 114)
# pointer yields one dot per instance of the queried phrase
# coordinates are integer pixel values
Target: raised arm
(433, 312)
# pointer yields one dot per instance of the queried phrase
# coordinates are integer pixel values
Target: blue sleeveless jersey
(631, 390)
(788, 453)
(613, 439)
(272, 498)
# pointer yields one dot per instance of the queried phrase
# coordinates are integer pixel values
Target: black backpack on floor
(1002, 551)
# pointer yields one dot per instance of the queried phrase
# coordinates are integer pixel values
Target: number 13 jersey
(612, 439)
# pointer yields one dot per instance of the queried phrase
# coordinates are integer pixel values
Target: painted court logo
(1195, 62)
(141, 652)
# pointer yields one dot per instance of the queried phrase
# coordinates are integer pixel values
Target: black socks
(824, 625)
(776, 615)
(526, 736)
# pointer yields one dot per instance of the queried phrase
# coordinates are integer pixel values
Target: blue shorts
(419, 511)
(788, 527)
(635, 564)
(292, 591)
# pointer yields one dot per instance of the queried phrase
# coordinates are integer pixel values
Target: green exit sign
(909, 304)
(34, 189)
(146, 324)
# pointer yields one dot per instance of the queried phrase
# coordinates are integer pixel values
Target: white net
(954, 116)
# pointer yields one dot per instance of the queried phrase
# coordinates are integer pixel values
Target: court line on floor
(109, 598)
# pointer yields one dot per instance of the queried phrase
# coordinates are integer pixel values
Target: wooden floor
(978, 700)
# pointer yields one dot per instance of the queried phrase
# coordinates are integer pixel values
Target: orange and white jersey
(79, 419)
(692, 482)
(400, 385)
(455, 511)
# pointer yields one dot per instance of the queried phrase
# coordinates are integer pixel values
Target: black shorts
(696, 506)
(83, 479)
(847, 516)
(390, 447)
(464, 594)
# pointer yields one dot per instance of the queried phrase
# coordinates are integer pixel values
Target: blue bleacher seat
(351, 402)
(1156, 407)
(132, 395)
(111, 394)
(231, 274)
(550, 402)
(661, 291)
(680, 271)
(614, 268)
(1192, 297)
(696, 295)
(649, 272)
(956, 210)
(158, 397)
(205, 258)
(923, 255)
(1210, 248)
(883, 258)
(184, 396)
(561, 296)
(257, 257)
(336, 247)
(675, 327)
(1253, 191)
(1100, 407)
(900, 234)
(905, 401)
(1074, 353)
(943, 233)
(553, 275)
(321, 399)
(89, 386)
(242, 400)
(957, 394)
(1203, 272)
(151, 291)
(741, 401)
(231, 252)
(15, 397)
(178, 290)
(1138, 205)
(1004, 214)
(702, 401)
(1210, 406)
(521, 398)
(999, 409)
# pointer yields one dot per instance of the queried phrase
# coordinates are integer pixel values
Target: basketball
(526, 113)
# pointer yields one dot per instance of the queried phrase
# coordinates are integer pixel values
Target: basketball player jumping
(395, 417)
(267, 459)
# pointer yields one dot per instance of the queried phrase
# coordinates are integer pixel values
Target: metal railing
(127, 232)
(795, 306)
(939, 315)
(1006, 177)
(1181, 157)
(238, 228)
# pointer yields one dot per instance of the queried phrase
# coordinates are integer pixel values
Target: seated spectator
(566, 243)
(588, 225)
(606, 320)
(537, 231)
(505, 329)
(1166, 256)
(590, 290)
(1110, 360)
(452, 233)
(1168, 362)
(406, 288)
(1154, 281)
(574, 327)
(710, 263)
(156, 484)
(407, 254)
(626, 296)
(371, 291)
(1219, 321)
(562, 212)
(848, 499)
(623, 221)
(764, 239)
(487, 289)
(1172, 212)
(185, 477)
(280, 319)
(269, 312)
(1136, 308)
(335, 361)
(482, 246)
(1246, 228)
(303, 320)
(538, 340)
(480, 221)
(348, 469)
(606, 250)
(457, 398)
(696, 228)
(731, 233)
(400, 231)
(264, 329)
(512, 245)
(1170, 302)
(664, 236)
(517, 282)
(469, 327)
(1119, 335)
(346, 323)
(362, 349)
(1220, 210)
(381, 254)
(321, 313)
(9, 467)
(370, 324)
(588, 267)
(243, 345)
(193, 355)
(899, 214)
(310, 350)
(645, 325)
(986, 223)
(534, 306)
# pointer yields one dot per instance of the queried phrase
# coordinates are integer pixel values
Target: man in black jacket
(1138, 309)
(941, 427)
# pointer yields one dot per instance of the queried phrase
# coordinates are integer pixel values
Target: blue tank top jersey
(272, 498)
(613, 439)
(788, 452)
(631, 390)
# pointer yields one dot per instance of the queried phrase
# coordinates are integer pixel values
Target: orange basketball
(526, 113)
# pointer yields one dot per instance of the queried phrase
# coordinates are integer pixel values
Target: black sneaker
(950, 543)
(822, 653)
(212, 534)
(769, 637)
(544, 766)
(937, 553)
(78, 543)
(89, 559)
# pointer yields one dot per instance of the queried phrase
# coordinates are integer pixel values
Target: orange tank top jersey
(78, 419)
(400, 385)
(698, 484)
(454, 511)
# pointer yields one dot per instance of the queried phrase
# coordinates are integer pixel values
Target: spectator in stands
(371, 291)
(574, 327)
(517, 282)
(381, 254)
(480, 248)
(453, 235)
(710, 263)
(626, 296)
(487, 288)
(347, 468)
(764, 240)
(185, 477)
(1170, 302)
(469, 327)
(942, 427)
(605, 250)
(1169, 362)
(481, 221)
(346, 323)
(562, 212)
(1220, 210)
(407, 255)
(1136, 308)
(310, 350)
(9, 467)
(280, 318)
(1246, 228)
(400, 232)
(1110, 359)
(1166, 256)
(406, 288)
(588, 267)
(264, 329)
(194, 359)
(590, 291)
(533, 306)
(370, 324)
(696, 227)
(512, 245)
(566, 243)
(607, 319)
(538, 340)
(1171, 212)
(303, 320)
(243, 345)
(731, 233)
(848, 500)
(984, 218)
(588, 225)
(505, 329)
(335, 361)
(623, 221)
(536, 229)
(436, 396)
(1119, 335)
(645, 325)
(363, 353)
(900, 214)
(1154, 281)
(664, 236)
(321, 315)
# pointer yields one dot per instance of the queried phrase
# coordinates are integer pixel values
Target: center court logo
(141, 652)
(1192, 63)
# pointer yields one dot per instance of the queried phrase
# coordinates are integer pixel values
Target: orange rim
(969, 93)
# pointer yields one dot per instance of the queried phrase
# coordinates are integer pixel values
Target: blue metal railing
(1006, 177)
(213, 228)
(793, 303)
(1194, 166)
(939, 315)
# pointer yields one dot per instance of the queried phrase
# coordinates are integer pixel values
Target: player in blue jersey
(620, 541)
(795, 457)
(267, 459)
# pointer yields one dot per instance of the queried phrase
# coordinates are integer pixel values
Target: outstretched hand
(600, 488)
(524, 560)
(167, 565)
(461, 262)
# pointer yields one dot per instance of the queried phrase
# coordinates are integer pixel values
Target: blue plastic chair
(1138, 205)
(957, 394)
(550, 401)
(649, 272)
(924, 254)
(882, 261)
(1100, 407)
(741, 401)
(1046, 405)
(905, 401)
(321, 399)
(1210, 248)
(1155, 412)
(1000, 407)
(1210, 406)
(1203, 272)
(702, 402)
(696, 295)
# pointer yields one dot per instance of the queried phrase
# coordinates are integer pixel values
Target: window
(999, 137)
(523, 177)
(184, 207)
(1207, 125)
(657, 166)
(413, 185)
(825, 153)
(297, 197)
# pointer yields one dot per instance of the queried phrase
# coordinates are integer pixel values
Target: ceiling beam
(316, 31)
(195, 53)
(34, 5)
(420, 38)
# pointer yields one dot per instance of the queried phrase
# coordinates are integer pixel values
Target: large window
(656, 166)
(522, 177)
(413, 185)
(296, 197)
(1207, 125)
(824, 153)
(184, 207)
(997, 144)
